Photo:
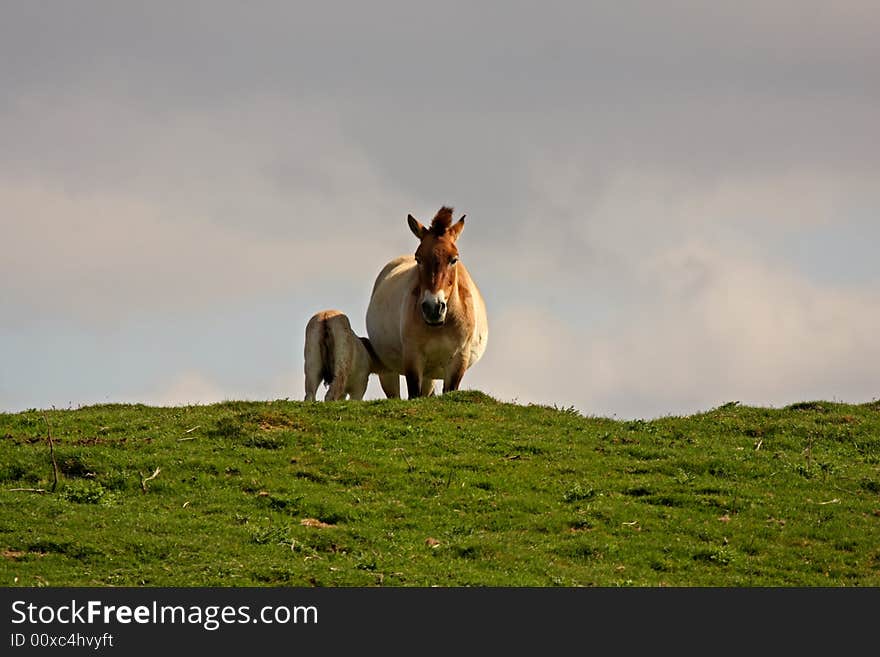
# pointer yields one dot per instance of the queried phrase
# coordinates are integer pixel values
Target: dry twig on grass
(151, 477)
(198, 426)
(52, 454)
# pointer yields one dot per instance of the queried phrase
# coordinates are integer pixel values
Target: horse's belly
(438, 354)
(477, 345)
(385, 309)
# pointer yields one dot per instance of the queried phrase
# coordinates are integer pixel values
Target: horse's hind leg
(390, 383)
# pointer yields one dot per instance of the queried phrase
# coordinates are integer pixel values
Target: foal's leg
(313, 377)
(311, 388)
(313, 364)
(359, 376)
(343, 358)
(337, 388)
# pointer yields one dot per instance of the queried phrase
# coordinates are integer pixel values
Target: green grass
(453, 490)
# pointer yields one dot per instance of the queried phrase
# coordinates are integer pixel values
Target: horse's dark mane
(442, 221)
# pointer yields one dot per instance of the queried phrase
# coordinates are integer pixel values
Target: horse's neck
(375, 362)
(460, 293)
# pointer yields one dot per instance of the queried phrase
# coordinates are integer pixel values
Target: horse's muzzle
(434, 313)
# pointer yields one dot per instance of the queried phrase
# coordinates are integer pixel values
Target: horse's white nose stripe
(434, 298)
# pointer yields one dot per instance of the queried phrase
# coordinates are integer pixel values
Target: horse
(426, 318)
(336, 356)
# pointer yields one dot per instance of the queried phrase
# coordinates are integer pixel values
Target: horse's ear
(456, 228)
(414, 225)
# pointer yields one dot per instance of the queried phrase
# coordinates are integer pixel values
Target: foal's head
(437, 259)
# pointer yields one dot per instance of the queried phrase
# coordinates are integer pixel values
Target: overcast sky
(671, 205)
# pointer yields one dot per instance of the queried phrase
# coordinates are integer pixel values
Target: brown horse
(427, 319)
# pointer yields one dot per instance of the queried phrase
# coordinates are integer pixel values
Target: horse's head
(437, 259)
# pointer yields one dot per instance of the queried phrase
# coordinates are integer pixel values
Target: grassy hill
(453, 490)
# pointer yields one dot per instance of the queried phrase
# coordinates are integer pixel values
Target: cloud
(145, 215)
(711, 328)
(532, 357)
(103, 256)
(615, 217)
(486, 54)
(645, 293)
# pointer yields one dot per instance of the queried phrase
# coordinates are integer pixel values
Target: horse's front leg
(454, 375)
(413, 384)
(412, 370)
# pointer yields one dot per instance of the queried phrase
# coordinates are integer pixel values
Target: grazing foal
(427, 319)
(336, 356)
